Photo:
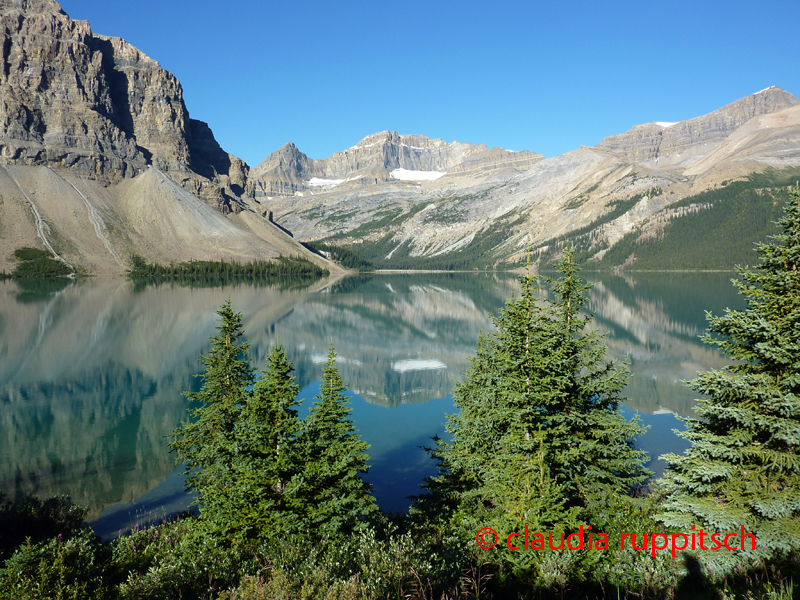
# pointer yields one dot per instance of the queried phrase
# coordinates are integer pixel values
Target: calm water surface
(92, 375)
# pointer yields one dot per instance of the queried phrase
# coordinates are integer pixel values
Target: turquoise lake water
(92, 374)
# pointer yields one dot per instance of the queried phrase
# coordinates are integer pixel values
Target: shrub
(56, 569)
(37, 520)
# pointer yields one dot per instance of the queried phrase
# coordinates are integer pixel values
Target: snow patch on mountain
(317, 182)
(357, 147)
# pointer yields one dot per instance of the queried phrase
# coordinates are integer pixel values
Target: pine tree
(490, 473)
(538, 436)
(207, 445)
(743, 467)
(338, 501)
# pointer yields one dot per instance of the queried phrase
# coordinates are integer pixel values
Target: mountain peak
(766, 101)
(32, 6)
(673, 143)
(100, 107)
(385, 157)
(376, 138)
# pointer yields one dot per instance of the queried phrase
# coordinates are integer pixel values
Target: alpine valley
(100, 161)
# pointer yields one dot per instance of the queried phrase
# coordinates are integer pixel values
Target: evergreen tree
(267, 496)
(743, 467)
(578, 403)
(259, 471)
(538, 436)
(338, 501)
(207, 445)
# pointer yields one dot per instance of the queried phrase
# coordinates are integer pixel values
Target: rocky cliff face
(669, 144)
(99, 159)
(94, 104)
(382, 158)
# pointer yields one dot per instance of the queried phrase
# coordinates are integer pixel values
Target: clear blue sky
(547, 77)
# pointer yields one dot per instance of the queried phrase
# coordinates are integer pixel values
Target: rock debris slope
(99, 158)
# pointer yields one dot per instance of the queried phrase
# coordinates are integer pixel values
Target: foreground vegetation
(539, 456)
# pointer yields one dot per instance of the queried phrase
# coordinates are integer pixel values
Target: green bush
(37, 520)
(177, 559)
(57, 569)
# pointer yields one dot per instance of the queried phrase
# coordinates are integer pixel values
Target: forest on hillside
(720, 233)
(289, 270)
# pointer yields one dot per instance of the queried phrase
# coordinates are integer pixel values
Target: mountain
(99, 158)
(100, 161)
(663, 145)
(407, 201)
(384, 157)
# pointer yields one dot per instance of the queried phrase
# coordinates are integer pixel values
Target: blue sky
(547, 77)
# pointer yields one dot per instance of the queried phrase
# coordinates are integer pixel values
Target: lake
(92, 372)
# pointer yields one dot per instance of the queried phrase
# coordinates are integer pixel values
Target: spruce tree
(259, 472)
(267, 496)
(538, 436)
(743, 467)
(338, 501)
(578, 400)
(206, 446)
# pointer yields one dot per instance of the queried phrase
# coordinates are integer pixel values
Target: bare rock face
(683, 142)
(282, 172)
(382, 158)
(72, 99)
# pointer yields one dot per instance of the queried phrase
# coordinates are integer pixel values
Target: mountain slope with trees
(640, 184)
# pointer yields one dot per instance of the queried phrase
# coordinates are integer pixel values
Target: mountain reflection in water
(92, 374)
